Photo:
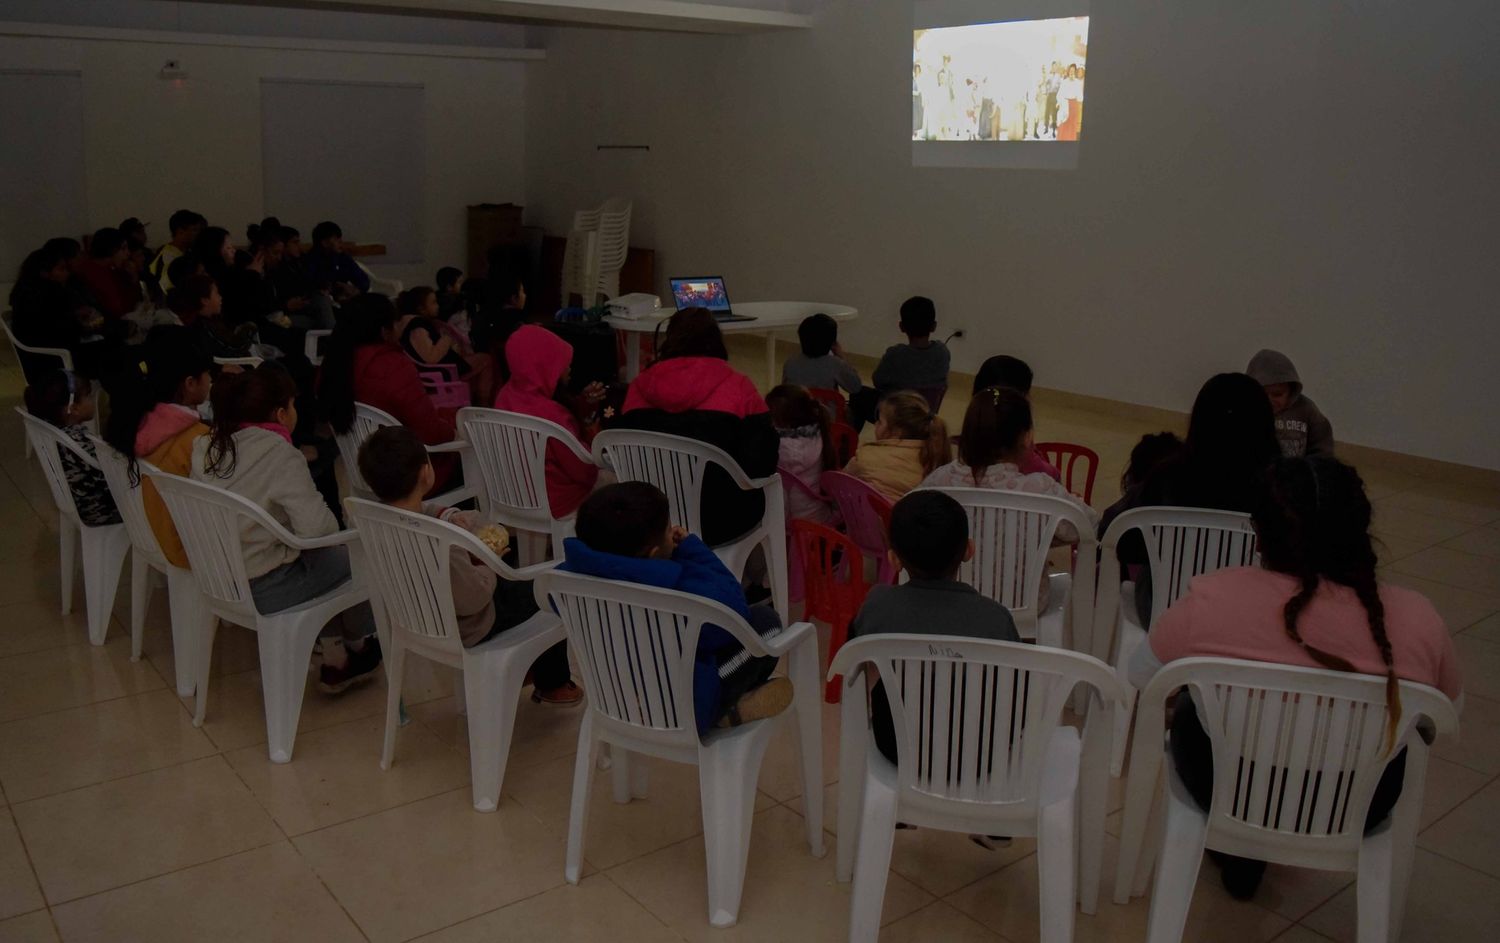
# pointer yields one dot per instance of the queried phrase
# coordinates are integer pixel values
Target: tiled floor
(121, 821)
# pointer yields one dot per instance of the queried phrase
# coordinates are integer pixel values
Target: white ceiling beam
(679, 15)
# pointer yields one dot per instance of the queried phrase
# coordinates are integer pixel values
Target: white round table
(770, 317)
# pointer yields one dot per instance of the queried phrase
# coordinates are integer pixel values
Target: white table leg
(632, 355)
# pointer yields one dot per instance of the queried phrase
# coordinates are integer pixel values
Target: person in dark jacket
(328, 265)
(692, 391)
(46, 313)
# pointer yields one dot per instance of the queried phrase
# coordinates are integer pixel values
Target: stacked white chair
(983, 749)
(366, 420)
(580, 267)
(103, 548)
(208, 519)
(635, 646)
(190, 617)
(603, 255)
(510, 454)
(1297, 754)
(1181, 544)
(677, 465)
(1012, 534)
(407, 556)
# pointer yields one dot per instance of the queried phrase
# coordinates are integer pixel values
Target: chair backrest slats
(127, 497)
(674, 464)
(510, 450)
(49, 443)
(859, 504)
(366, 420)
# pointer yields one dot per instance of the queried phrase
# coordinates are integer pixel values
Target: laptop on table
(706, 291)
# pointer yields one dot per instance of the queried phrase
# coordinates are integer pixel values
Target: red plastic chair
(866, 514)
(1066, 457)
(845, 442)
(835, 402)
(833, 572)
(791, 482)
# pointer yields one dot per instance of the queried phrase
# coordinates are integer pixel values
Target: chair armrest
(788, 638)
(457, 445)
(336, 539)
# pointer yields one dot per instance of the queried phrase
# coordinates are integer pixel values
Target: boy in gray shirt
(821, 365)
(930, 540)
(1301, 427)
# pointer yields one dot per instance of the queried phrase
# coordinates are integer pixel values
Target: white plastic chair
(677, 465)
(635, 646)
(104, 548)
(1012, 534)
(1181, 543)
(249, 362)
(1297, 753)
(208, 520)
(366, 420)
(390, 287)
(510, 453)
(310, 345)
(978, 727)
(189, 614)
(64, 357)
(408, 556)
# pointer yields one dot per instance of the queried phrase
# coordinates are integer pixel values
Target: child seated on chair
(930, 540)
(920, 364)
(821, 364)
(624, 533)
(450, 293)
(249, 452)
(910, 443)
(1015, 374)
(428, 339)
(806, 449)
(393, 462)
(996, 439)
(67, 402)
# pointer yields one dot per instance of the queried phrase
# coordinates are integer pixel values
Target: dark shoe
(1241, 876)
(569, 695)
(359, 669)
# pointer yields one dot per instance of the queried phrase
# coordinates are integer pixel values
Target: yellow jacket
(891, 466)
(165, 439)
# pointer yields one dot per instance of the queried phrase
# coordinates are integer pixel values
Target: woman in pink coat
(539, 363)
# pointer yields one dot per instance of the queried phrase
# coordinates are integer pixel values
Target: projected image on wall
(1015, 81)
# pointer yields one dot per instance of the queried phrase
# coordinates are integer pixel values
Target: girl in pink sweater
(1314, 602)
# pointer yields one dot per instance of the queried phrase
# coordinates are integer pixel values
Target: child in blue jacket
(624, 534)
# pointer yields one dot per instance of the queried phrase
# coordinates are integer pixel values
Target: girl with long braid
(1313, 602)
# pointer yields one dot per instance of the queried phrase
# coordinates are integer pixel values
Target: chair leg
(1093, 797)
(1155, 823)
(1374, 888)
(629, 775)
(203, 659)
(1056, 854)
(103, 559)
(776, 560)
(853, 744)
(140, 595)
(460, 702)
(726, 785)
(188, 615)
(1186, 828)
(284, 654)
(490, 692)
(838, 634)
(803, 668)
(67, 547)
(395, 670)
(877, 835)
(583, 782)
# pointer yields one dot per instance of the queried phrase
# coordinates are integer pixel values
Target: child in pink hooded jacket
(806, 450)
(539, 363)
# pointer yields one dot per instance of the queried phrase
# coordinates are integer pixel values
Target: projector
(634, 305)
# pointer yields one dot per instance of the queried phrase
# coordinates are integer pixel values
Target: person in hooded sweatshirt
(538, 362)
(692, 391)
(806, 450)
(1301, 427)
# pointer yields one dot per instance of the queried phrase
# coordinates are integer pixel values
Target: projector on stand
(634, 305)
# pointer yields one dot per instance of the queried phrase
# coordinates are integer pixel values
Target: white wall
(152, 146)
(1314, 177)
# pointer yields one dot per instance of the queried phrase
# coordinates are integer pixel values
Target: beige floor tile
(1007, 903)
(781, 773)
(1470, 834)
(1487, 628)
(100, 837)
(104, 741)
(1426, 502)
(236, 649)
(1390, 549)
(35, 927)
(542, 733)
(1477, 745)
(1410, 525)
(1464, 570)
(1481, 541)
(1300, 934)
(670, 812)
(34, 626)
(1449, 786)
(337, 774)
(59, 678)
(1459, 608)
(789, 895)
(433, 863)
(594, 911)
(18, 891)
(938, 921)
(1447, 901)
(1291, 892)
(1480, 663)
(268, 894)
(236, 712)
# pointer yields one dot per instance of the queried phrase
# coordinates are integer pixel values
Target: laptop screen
(708, 292)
